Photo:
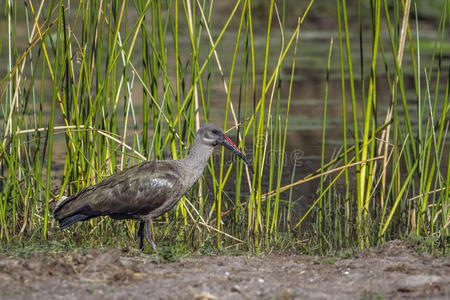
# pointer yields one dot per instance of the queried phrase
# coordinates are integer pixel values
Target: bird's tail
(67, 215)
(70, 220)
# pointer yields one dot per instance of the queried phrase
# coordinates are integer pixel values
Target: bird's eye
(215, 131)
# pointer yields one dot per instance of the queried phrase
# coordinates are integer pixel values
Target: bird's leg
(149, 236)
(140, 235)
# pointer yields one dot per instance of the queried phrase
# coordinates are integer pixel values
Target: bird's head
(213, 135)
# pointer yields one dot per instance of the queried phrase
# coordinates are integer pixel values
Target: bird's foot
(144, 232)
(148, 235)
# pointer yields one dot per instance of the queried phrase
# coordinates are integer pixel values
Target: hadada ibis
(145, 191)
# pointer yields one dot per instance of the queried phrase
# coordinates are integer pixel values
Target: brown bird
(145, 191)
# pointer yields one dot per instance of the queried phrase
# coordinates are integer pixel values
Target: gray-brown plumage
(147, 190)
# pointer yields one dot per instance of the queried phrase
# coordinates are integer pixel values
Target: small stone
(287, 294)
(236, 289)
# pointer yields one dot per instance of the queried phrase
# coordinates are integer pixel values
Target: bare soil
(392, 271)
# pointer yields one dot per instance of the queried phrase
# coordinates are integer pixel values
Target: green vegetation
(93, 88)
(401, 186)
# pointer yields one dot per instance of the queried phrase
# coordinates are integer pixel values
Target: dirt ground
(392, 271)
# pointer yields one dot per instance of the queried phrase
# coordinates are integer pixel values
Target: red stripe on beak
(230, 141)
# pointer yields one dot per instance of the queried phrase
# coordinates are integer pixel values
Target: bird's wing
(137, 190)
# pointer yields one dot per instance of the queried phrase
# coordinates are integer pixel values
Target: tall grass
(94, 87)
(399, 173)
(97, 86)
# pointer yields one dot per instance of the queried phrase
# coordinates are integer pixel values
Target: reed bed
(94, 87)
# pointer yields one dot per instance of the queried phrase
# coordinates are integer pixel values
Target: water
(304, 134)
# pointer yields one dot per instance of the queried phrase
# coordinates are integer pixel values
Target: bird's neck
(197, 159)
(199, 154)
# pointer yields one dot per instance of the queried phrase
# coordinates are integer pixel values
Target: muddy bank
(393, 271)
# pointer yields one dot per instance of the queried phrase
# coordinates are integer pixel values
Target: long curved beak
(228, 143)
